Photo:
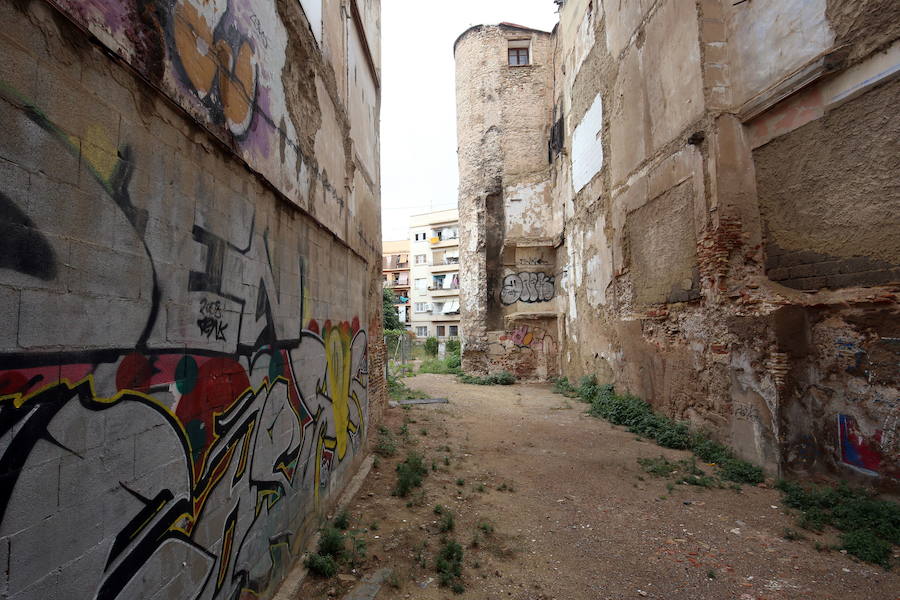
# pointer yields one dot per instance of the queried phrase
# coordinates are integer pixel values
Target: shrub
(453, 347)
(440, 367)
(332, 543)
(431, 346)
(446, 523)
(410, 474)
(342, 521)
(321, 566)
(501, 378)
(449, 566)
(386, 444)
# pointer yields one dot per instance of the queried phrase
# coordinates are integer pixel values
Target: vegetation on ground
(399, 391)
(501, 378)
(410, 474)
(447, 366)
(639, 417)
(332, 549)
(386, 444)
(869, 526)
(431, 346)
(449, 566)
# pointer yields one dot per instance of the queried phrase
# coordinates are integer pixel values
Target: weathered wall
(729, 248)
(506, 217)
(184, 352)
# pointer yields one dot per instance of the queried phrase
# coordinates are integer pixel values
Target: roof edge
(504, 25)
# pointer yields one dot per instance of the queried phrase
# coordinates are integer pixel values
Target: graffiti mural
(864, 452)
(526, 350)
(527, 287)
(175, 452)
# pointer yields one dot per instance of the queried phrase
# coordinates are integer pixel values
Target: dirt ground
(573, 514)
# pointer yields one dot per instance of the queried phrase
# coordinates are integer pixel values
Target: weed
(658, 467)
(446, 461)
(501, 378)
(792, 535)
(423, 431)
(332, 543)
(446, 523)
(342, 521)
(433, 465)
(416, 499)
(476, 541)
(386, 445)
(376, 462)
(460, 482)
(444, 449)
(410, 474)
(711, 574)
(394, 580)
(449, 565)
(404, 431)
(431, 346)
(374, 526)
(321, 566)
(358, 550)
(448, 366)
(740, 471)
(479, 488)
(439, 509)
(869, 526)
(670, 487)
(485, 527)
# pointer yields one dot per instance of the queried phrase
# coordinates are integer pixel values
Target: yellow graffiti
(337, 354)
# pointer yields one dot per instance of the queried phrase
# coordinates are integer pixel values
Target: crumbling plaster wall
(190, 289)
(504, 197)
(666, 249)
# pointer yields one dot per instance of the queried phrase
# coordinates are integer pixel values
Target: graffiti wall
(184, 356)
(527, 287)
(242, 68)
(527, 349)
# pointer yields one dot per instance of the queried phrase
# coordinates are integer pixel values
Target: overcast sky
(418, 107)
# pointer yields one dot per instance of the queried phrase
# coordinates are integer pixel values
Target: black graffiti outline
(528, 287)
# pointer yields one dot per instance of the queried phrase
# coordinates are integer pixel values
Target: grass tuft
(449, 566)
(410, 474)
(501, 378)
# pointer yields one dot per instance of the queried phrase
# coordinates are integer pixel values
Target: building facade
(697, 202)
(434, 255)
(397, 276)
(190, 286)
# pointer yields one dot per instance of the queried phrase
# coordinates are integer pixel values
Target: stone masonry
(697, 202)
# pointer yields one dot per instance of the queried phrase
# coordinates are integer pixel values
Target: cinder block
(25, 143)
(34, 495)
(48, 320)
(100, 271)
(4, 571)
(9, 319)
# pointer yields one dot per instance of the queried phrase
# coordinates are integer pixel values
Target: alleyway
(559, 508)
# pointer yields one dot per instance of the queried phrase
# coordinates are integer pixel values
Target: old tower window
(519, 53)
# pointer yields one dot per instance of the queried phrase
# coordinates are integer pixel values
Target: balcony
(392, 266)
(440, 292)
(444, 243)
(444, 267)
(442, 318)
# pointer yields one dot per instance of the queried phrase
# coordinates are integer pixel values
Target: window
(441, 331)
(422, 331)
(422, 284)
(422, 307)
(421, 236)
(420, 259)
(454, 330)
(439, 281)
(519, 54)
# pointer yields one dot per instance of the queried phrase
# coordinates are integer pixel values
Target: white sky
(418, 106)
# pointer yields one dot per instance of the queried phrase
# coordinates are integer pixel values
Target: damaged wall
(729, 253)
(190, 290)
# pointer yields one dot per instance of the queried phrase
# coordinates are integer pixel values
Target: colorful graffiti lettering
(181, 467)
(527, 287)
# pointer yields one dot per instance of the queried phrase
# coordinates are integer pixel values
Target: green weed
(321, 566)
(446, 523)
(449, 566)
(501, 378)
(342, 521)
(410, 474)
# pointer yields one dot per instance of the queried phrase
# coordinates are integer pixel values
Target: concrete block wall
(190, 355)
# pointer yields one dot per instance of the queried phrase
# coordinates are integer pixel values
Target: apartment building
(434, 253)
(396, 275)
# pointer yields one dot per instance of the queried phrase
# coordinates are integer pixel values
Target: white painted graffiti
(527, 287)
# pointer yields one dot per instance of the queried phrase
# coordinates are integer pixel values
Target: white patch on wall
(527, 210)
(587, 146)
(772, 38)
(313, 11)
